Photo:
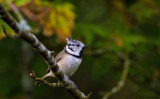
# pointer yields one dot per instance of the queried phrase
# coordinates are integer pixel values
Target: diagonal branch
(43, 51)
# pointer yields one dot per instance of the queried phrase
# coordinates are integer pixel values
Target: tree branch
(44, 52)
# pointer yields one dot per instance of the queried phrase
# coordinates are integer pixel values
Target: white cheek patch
(76, 52)
(69, 51)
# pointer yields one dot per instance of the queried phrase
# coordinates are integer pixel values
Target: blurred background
(121, 62)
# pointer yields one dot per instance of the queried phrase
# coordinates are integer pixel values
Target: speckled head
(74, 47)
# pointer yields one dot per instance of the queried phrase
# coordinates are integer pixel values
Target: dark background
(113, 29)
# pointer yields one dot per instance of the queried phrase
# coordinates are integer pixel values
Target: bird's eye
(69, 44)
(78, 45)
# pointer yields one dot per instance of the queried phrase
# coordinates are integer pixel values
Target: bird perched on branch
(69, 58)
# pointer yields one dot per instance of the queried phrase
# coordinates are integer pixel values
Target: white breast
(69, 64)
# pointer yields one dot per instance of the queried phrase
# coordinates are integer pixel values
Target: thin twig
(4, 30)
(120, 83)
(39, 81)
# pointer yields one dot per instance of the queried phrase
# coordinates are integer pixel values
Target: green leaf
(8, 29)
(21, 2)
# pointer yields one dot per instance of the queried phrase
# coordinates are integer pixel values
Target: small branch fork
(45, 53)
(39, 81)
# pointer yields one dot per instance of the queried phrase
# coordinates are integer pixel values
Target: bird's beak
(85, 46)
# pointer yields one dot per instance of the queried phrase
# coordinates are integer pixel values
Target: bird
(69, 58)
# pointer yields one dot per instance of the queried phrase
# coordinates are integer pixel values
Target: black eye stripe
(74, 45)
(77, 45)
(71, 45)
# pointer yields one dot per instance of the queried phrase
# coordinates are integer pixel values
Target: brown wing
(58, 58)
